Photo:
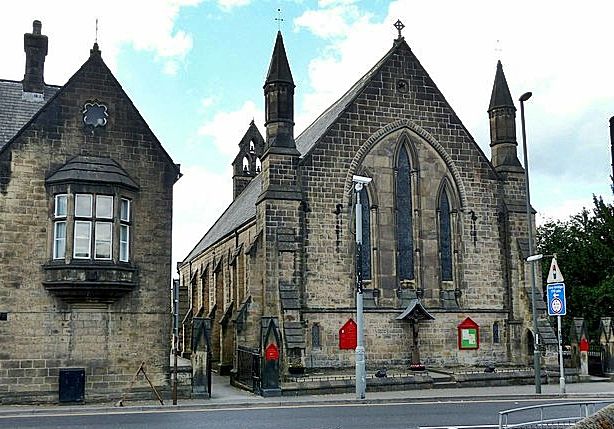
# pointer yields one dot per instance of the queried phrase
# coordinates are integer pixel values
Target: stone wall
(44, 333)
(365, 140)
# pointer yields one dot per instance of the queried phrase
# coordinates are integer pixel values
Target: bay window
(90, 231)
(95, 227)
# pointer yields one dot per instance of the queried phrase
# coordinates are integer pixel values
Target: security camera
(361, 180)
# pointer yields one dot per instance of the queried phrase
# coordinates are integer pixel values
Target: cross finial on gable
(399, 26)
(279, 19)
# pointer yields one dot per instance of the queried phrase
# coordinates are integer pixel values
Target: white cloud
(557, 53)
(207, 102)
(227, 128)
(228, 5)
(200, 197)
(71, 31)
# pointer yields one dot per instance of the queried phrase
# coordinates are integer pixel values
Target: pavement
(226, 396)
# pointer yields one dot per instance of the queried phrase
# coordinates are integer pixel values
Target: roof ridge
(354, 91)
(94, 56)
(198, 249)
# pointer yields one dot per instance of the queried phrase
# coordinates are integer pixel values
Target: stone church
(86, 194)
(444, 232)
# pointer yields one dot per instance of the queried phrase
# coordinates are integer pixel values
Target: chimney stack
(35, 46)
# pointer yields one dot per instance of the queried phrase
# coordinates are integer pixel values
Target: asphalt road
(333, 416)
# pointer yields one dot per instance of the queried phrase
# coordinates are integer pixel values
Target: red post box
(583, 345)
(271, 353)
(347, 336)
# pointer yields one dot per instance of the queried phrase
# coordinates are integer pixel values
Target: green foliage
(584, 246)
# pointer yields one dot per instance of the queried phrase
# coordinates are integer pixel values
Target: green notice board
(468, 335)
(469, 338)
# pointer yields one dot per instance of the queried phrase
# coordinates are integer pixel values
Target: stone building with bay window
(86, 195)
(444, 232)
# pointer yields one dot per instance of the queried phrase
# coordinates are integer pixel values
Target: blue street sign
(557, 304)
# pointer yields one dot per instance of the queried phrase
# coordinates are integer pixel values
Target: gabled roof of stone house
(305, 143)
(19, 108)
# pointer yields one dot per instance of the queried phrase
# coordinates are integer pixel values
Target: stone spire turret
(280, 158)
(35, 45)
(502, 114)
(279, 101)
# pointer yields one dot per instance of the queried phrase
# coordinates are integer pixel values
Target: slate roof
(16, 109)
(92, 169)
(307, 140)
(243, 208)
(240, 211)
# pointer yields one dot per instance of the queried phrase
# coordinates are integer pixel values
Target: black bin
(72, 385)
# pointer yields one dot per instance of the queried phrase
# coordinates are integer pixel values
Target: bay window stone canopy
(92, 169)
(91, 217)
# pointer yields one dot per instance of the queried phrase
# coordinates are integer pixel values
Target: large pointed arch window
(405, 240)
(366, 234)
(445, 236)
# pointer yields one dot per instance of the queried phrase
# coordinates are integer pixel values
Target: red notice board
(347, 336)
(468, 335)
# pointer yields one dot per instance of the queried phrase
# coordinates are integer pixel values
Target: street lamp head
(524, 97)
(534, 258)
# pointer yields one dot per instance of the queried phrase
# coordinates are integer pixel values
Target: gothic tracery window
(445, 237)
(366, 234)
(405, 241)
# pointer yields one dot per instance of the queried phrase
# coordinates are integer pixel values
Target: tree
(584, 246)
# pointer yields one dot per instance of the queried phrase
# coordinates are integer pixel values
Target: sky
(195, 70)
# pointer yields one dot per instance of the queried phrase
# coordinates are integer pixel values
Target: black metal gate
(598, 359)
(248, 368)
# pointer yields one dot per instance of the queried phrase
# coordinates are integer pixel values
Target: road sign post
(557, 306)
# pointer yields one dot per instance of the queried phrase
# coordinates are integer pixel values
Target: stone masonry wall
(388, 341)
(43, 333)
(364, 140)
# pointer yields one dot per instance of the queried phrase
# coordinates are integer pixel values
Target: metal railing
(551, 416)
(248, 368)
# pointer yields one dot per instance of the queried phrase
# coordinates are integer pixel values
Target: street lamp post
(536, 354)
(361, 377)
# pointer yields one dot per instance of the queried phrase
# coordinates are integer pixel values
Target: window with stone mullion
(97, 228)
(59, 226)
(124, 229)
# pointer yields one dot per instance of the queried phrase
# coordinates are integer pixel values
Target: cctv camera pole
(361, 378)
